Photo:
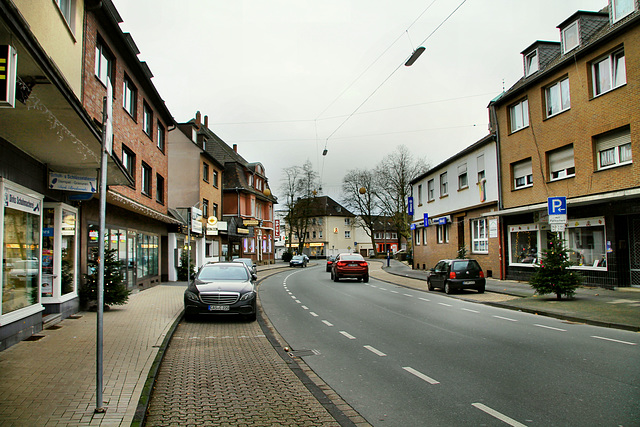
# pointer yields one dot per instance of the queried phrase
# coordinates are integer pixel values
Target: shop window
(587, 243)
(525, 242)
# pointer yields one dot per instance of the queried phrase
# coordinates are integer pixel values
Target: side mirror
(433, 270)
(254, 277)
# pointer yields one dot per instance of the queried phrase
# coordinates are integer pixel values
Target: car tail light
(363, 263)
(341, 263)
(481, 274)
(452, 275)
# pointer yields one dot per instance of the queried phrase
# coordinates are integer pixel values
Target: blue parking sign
(557, 205)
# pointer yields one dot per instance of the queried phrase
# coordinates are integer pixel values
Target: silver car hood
(224, 286)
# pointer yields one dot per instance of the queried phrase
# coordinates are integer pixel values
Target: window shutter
(462, 169)
(480, 162)
(561, 160)
(613, 139)
(522, 169)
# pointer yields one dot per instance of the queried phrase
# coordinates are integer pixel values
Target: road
(404, 357)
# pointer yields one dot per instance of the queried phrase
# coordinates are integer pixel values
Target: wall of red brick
(126, 129)
(587, 118)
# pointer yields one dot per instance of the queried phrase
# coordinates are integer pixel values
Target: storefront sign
(70, 182)
(243, 231)
(276, 231)
(493, 228)
(252, 222)
(21, 202)
(8, 71)
(196, 220)
(212, 230)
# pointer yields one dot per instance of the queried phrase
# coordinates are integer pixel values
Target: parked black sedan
(455, 274)
(222, 288)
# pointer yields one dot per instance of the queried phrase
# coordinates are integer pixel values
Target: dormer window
(531, 63)
(622, 8)
(570, 38)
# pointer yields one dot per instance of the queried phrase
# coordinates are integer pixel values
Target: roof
(326, 206)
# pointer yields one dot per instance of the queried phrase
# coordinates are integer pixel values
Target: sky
(286, 79)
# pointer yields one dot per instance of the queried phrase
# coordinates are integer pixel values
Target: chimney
(198, 118)
(235, 148)
(206, 122)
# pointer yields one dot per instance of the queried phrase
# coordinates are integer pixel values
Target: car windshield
(223, 272)
(247, 261)
(298, 257)
(351, 258)
(465, 265)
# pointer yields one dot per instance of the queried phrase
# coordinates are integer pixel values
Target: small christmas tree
(553, 276)
(184, 274)
(115, 290)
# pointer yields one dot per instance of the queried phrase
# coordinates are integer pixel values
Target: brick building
(571, 127)
(137, 214)
(454, 205)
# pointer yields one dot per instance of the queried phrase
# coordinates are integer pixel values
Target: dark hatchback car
(350, 266)
(298, 261)
(456, 274)
(222, 288)
(330, 260)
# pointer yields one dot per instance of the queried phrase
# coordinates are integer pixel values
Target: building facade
(571, 128)
(454, 208)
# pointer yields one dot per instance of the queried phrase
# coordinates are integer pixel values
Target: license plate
(469, 282)
(218, 308)
(353, 265)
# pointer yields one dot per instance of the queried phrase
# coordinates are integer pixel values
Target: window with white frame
(431, 193)
(129, 96)
(161, 137)
(347, 221)
(214, 210)
(480, 163)
(522, 174)
(146, 179)
(479, 236)
(215, 178)
(67, 9)
(558, 97)
(531, 63)
(561, 163)
(525, 242)
(622, 8)
(570, 37)
(587, 243)
(347, 234)
(420, 195)
(147, 120)
(205, 208)
(424, 236)
(320, 234)
(205, 171)
(463, 182)
(129, 161)
(609, 73)
(444, 185)
(104, 63)
(442, 231)
(519, 115)
(613, 148)
(417, 239)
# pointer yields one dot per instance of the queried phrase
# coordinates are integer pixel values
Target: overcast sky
(285, 78)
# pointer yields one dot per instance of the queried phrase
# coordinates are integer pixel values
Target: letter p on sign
(557, 205)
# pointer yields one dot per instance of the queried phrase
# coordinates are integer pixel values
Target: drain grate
(303, 353)
(34, 338)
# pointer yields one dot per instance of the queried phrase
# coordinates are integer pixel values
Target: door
(634, 250)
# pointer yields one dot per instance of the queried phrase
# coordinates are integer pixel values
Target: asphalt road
(405, 357)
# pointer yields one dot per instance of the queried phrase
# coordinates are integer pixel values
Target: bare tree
(359, 194)
(300, 187)
(394, 175)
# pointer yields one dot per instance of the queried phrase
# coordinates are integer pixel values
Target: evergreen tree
(115, 289)
(553, 276)
(184, 274)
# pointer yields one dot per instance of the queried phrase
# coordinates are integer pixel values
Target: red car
(351, 266)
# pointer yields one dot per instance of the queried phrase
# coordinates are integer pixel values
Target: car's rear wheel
(335, 277)
(447, 288)
(365, 279)
(429, 285)
(481, 290)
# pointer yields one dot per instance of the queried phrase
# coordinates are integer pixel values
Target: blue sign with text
(557, 205)
(410, 206)
(426, 219)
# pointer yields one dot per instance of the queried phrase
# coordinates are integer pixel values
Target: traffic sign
(557, 205)
(558, 228)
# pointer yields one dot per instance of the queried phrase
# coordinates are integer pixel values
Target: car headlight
(191, 296)
(247, 296)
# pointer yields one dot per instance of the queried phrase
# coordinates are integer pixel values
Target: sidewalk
(50, 380)
(618, 308)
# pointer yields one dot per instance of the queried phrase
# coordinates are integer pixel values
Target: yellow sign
(251, 222)
(212, 220)
(243, 231)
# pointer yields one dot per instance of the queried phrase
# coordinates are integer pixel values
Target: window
(622, 8)
(347, 234)
(215, 210)
(444, 185)
(479, 236)
(129, 161)
(480, 162)
(531, 63)
(146, 179)
(443, 233)
(430, 190)
(160, 189)
(347, 221)
(613, 148)
(418, 232)
(558, 97)
(587, 244)
(205, 208)
(314, 234)
(205, 171)
(462, 177)
(522, 174)
(147, 120)
(129, 96)
(420, 195)
(570, 37)
(609, 73)
(66, 9)
(424, 236)
(215, 178)
(561, 163)
(523, 244)
(161, 137)
(519, 115)
(104, 63)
